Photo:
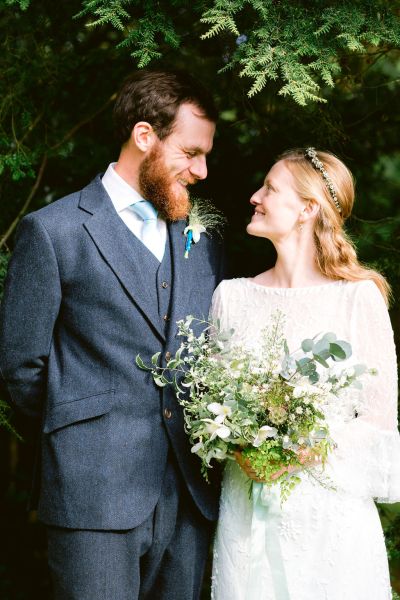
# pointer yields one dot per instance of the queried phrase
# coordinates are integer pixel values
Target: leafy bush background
(285, 74)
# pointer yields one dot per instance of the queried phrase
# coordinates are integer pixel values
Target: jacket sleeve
(28, 312)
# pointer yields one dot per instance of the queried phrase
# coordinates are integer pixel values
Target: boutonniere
(203, 217)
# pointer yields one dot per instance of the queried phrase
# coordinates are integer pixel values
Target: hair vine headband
(311, 154)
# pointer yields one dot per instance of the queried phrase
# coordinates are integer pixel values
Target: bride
(323, 543)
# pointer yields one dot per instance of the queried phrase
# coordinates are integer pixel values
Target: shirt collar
(121, 193)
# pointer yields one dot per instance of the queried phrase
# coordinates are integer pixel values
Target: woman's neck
(295, 266)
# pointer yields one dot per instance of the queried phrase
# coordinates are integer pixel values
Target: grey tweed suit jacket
(79, 305)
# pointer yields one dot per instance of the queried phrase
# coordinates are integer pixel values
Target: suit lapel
(183, 273)
(130, 261)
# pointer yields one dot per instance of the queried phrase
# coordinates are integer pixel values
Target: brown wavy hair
(155, 97)
(336, 255)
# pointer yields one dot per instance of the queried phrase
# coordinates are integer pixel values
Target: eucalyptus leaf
(346, 347)
(307, 345)
(306, 366)
(321, 347)
(321, 360)
(329, 337)
(324, 354)
(313, 377)
(340, 350)
(302, 362)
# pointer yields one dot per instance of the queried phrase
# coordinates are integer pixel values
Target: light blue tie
(150, 235)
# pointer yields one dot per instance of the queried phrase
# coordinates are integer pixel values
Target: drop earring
(301, 225)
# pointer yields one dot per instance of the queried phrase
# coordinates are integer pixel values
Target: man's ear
(143, 136)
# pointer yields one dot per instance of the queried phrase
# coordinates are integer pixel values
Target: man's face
(177, 162)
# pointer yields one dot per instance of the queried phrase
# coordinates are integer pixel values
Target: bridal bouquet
(268, 404)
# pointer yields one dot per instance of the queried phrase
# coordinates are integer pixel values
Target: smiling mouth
(185, 182)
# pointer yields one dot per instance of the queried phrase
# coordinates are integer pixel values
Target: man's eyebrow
(197, 150)
(269, 182)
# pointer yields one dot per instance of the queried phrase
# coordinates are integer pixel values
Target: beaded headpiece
(311, 154)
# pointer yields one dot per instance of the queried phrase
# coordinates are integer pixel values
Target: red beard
(158, 186)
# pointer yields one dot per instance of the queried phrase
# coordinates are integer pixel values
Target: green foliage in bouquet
(270, 405)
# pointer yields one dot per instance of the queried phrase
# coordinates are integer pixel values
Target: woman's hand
(245, 465)
(307, 458)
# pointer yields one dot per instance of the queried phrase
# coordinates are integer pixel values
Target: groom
(97, 278)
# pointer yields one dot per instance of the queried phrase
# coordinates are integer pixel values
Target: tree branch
(29, 199)
(76, 127)
(42, 167)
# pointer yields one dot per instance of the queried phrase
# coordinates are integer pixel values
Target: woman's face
(277, 206)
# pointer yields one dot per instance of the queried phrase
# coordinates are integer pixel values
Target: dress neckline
(295, 290)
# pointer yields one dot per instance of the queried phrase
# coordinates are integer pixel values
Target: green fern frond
(111, 12)
(144, 36)
(296, 42)
(23, 4)
(219, 23)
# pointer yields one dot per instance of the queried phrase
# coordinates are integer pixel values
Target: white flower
(256, 370)
(298, 391)
(351, 372)
(196, 229)
(219, 454)
(263, 433)
(222, 410)
(197, 447)
(299, 410)
(216, 429)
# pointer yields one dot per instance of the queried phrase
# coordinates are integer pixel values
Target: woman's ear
(143, 136)
(309, 211)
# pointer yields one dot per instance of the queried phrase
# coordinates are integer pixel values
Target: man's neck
(127, 168)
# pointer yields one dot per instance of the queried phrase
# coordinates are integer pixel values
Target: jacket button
(165, 317)
(167, 413)
(164, 284)
(168, 356)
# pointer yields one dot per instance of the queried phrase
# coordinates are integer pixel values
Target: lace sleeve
(369, 445)
(217, 310)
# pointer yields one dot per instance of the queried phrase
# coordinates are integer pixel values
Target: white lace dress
(321, 544)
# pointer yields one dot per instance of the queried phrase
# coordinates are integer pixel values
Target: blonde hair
(336, 255)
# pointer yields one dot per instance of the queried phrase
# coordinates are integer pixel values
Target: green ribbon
(265, 525)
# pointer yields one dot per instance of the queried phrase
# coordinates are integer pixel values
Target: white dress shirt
(122, 196)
